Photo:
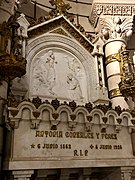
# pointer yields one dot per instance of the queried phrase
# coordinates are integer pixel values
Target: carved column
(22, 175)
(126, 173)
(115, 27)
(116, 31)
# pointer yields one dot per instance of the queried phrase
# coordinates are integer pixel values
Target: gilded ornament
(114, 93)
(127, 84)
(60, 7)
(112, 58)
(12, 62)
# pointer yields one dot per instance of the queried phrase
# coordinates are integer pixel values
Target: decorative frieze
(111, 10)
(36, 115)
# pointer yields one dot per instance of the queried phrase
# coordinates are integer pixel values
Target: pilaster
(22, 175)
(102, 94)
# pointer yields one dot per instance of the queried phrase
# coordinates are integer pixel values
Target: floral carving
(116, 27)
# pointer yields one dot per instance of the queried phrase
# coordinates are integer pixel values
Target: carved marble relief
(58, 74)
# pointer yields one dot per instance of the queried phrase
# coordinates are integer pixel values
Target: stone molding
(109, 9)
(35, 115)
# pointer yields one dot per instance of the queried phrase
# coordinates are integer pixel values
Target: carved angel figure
(44, 72)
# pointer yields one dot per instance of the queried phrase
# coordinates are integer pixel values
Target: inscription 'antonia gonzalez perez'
(74, 134)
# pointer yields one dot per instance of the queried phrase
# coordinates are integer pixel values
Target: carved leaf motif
(107, 23)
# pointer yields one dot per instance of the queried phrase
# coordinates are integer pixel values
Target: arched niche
(59, 67)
